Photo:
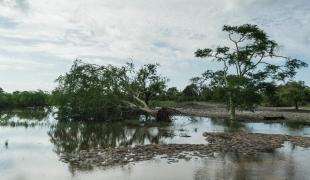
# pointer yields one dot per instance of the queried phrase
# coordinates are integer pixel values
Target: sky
(39, 39)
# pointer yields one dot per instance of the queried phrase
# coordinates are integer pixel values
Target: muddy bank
(237, 142)
(259, 115)
(251, 143)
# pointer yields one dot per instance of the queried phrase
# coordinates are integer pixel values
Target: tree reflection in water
(72, 137)
(277, 165)
(28, 117)
(228, 124)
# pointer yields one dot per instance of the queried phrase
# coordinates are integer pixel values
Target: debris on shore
(227, 142)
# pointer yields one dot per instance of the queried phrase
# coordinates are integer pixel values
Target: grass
(163, 104)
(133, 122)
(190, 104)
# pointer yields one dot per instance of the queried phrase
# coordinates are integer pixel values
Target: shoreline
(259, 115)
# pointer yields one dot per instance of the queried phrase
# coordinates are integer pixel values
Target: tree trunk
(296, 105)
(232, 108)
(161, 115)
(147, 99)
(148, 111)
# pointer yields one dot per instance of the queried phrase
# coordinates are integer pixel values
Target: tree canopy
(93, 92)
(246, 63)
(294, 93)
(149, 83)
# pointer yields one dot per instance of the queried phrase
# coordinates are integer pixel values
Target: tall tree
(246, 63)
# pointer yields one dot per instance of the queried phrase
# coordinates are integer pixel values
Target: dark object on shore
(164, 114)
(6, 144)
(273, 117)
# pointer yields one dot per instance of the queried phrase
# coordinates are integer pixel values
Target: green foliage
(243, 92)
(149, 83)
(206, 94)
(172, 93)
(167, 103)
(294, 93)
(190, 93)
(92, 92)
(24, 99)
(246, 64)
(269, 92)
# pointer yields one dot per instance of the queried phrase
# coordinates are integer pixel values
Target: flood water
(32, 141)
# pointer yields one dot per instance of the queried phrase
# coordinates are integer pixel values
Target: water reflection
(25, 117)
(296, 125)
(42, 147)
(229, 125)
(282, 164)
(74, 137)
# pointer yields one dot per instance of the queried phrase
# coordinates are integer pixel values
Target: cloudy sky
(39, 39)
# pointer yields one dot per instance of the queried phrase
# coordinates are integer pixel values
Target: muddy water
(35, 141)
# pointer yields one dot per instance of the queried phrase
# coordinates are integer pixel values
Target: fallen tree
(94, 92)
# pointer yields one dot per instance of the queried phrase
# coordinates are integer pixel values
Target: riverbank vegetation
(271, 95)
(93, 92)
(24, 99)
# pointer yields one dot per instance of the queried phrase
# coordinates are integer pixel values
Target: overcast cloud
(39, 39)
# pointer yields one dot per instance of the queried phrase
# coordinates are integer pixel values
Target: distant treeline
(293, 93)
(23, 99)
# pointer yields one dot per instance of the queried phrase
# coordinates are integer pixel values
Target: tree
(246, 63)
(172, 93)
(205, 93)
(93, 92)
(190, 92)
(23, 99)
(149, 83)
(270, 94)
(294, 93)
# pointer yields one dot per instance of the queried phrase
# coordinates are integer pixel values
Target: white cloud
(165, 31)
